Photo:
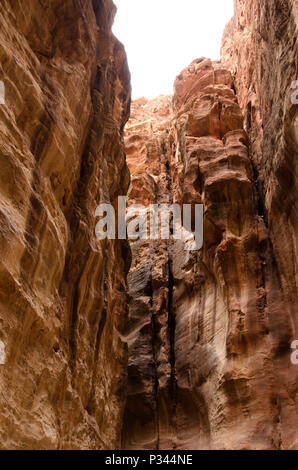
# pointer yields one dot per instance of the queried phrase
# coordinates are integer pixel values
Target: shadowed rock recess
(149, 346)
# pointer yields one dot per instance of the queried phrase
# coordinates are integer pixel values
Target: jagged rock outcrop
(62, 292)
(209, 331)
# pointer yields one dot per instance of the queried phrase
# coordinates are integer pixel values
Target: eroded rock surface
(149, 419)
(260, 47)
(62, 292)
(209, 331)
(195, 353)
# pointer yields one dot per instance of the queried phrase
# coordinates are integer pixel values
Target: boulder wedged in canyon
(209, 332)
(62, 292)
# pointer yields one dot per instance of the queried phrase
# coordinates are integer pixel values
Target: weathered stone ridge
(62, 292)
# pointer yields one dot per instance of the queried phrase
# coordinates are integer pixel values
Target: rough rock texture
(62, 292)
(260, 46)
(209, 331)
(233, 323)
(148, 422)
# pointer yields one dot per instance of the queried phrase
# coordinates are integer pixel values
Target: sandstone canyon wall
(194, 353)
(62, 292)
(261, 49)
(209, 333)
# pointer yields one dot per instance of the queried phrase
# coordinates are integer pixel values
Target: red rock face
(148, 420)
(195, 352)
(260, 47)
(209, 331)
(62, 292)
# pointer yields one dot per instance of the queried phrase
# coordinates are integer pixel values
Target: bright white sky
(162, 37)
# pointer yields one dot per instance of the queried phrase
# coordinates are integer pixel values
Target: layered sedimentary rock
(195, 353)
(209, 331)
(260, 47)
(234, 318)
(62, 292)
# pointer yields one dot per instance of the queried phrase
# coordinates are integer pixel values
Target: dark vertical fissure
(171, 334)
(171, 312)
(102, 318)
(154, 336)
(259, 202)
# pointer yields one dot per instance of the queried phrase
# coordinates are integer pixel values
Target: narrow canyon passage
(149, 420)
(110, 344)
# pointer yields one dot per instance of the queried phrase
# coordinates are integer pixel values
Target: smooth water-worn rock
(62, 292)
